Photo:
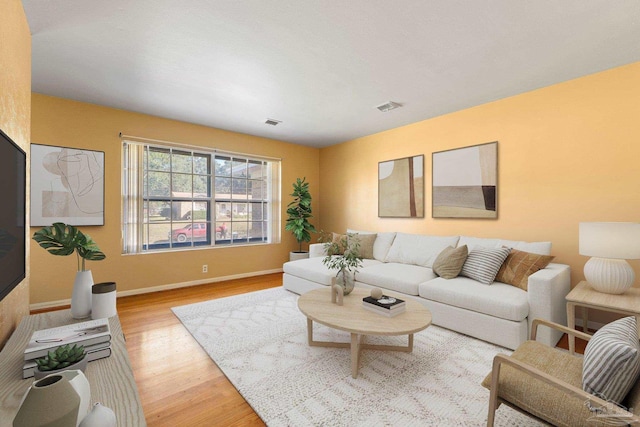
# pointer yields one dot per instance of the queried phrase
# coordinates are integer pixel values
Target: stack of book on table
(94, 335)
(387, 306)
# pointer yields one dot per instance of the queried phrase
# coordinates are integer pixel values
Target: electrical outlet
(205, 268)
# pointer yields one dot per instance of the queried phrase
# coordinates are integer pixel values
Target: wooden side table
(111, 379)
(583, 295)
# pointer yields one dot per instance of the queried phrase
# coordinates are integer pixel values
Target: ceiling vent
(388, 106)
(272, 122)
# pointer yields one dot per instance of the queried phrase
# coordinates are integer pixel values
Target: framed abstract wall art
(401, 188)
(465, 182)
(67, 185)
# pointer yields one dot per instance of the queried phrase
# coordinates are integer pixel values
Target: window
(175, 197)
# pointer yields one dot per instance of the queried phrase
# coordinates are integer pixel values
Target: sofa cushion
(397, 277)
(612, 360)
(498, 300)
(418, 249)
(483, 264)
(542, 248)
(450, 261)
(382, 244)
(312, 269)
(519, 265)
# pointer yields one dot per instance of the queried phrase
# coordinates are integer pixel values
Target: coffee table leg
(410, 345)
(309, 331)
(355, 354)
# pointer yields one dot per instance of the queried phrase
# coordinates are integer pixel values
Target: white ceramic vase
(81, 295)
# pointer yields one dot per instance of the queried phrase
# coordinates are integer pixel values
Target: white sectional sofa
(499, 313)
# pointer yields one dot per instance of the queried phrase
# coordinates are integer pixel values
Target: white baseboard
(60, 303)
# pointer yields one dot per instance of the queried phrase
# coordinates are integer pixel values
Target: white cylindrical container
(103, 300)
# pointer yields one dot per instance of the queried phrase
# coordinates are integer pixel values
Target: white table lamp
(610, 244)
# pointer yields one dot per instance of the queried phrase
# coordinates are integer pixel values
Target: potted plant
(298, 214)
(343, 256)
(63, 239)
(62, 358)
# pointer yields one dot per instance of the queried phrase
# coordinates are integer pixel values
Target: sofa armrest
(547, 291)
(317, 250)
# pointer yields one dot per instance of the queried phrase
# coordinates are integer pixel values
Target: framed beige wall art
(67, 185)
(465, 182)
(401, 188)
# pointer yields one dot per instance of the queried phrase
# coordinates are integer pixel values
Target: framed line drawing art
(67, 185)
(401, 188)
(465, 182)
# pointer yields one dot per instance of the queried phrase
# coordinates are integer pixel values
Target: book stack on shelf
(385, 305)
(94, 335)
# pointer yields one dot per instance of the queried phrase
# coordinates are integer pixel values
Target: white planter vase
(294, 256)
(81, 295)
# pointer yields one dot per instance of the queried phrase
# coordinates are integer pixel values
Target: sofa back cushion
(540, 248)
(418, 249)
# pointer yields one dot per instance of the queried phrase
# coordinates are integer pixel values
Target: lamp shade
(617, 240)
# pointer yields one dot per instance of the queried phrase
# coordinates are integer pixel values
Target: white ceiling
(321, 67)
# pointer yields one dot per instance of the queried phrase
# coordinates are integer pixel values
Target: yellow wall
(68, 123)
(567, 153)
(15, 121)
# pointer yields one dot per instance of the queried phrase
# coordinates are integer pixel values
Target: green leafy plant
(299, 212)
(61, 357)
(63, 239)
(347, 262)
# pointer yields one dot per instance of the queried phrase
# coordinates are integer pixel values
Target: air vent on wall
(272, 122)
(388, 106)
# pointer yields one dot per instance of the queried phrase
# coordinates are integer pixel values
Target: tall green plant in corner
(299, 212)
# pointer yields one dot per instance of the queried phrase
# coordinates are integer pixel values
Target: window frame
(139, 200)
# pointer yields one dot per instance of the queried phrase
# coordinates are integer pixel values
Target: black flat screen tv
(13, 176)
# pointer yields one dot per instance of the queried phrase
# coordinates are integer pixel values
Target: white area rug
(259, 341)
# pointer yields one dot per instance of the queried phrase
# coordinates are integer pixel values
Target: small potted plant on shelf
(298, 214)
(343, 256)
(62, 358)
(63, 239)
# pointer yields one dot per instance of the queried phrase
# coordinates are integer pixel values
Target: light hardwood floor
(179, 384)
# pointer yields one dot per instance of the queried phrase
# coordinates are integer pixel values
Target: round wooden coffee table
(359, 322)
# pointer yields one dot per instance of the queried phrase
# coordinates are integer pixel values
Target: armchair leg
(493, 394)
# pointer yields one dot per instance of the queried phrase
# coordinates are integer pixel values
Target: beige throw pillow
(366, 244)
(519, 265)
(340, 241)
(450, 261)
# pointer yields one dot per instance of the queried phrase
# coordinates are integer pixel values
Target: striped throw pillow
(483, 264)
(612, 360)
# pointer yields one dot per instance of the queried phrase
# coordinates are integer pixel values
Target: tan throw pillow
(366, 244)
(450, 261)
(340, 241)
(519, 265)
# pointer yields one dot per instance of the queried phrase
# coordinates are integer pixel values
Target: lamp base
(610, 276)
